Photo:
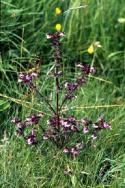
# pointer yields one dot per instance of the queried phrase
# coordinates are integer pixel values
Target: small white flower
(48, 36)
(121, 20)
(61, 34)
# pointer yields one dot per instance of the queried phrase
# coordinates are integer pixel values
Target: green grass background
(24, 25)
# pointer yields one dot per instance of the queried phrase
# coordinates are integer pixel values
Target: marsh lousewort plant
(60, 129)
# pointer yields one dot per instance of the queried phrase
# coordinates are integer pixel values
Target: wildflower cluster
(60, 128)
(21, 126)
(71, 87)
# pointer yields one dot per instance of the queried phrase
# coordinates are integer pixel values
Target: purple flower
(65, 123)
(71, 120)
(92, 70)
(102, 124)
(94, 136)
(31, 139)
(33, 119)
(106, 125)
(45, 136)
(71, 86)
(87, 69)
(56, 42)
(55, 35)
(53, 121)
(95, 126)
(81, 80)
(74, 152)
(19, 125)
(49, 134)
(49, 36)
(34, 74)
(55, 39)
(74, 129)
(86, 121)
(15, 120)
(27, 77)
(61, 34)
(100, 120)
(69, 123)
(66, 150)
(70, 97)
(85, 130)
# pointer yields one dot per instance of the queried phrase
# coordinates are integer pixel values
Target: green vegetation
(24, 25)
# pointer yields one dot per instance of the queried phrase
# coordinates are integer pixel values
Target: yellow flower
(90, 50)
(58, 10)
(58, 27)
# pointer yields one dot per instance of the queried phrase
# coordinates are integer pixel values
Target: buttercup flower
(93, 47)
(90, 50)
(58, 27)
(58, 10)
